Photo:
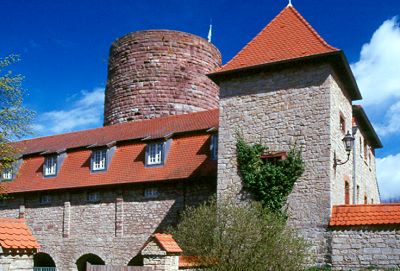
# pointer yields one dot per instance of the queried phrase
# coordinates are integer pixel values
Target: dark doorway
(90, 258)
(43, 260)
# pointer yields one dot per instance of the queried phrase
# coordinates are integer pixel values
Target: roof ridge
(308, 25)
(248, 43)
(117, 124)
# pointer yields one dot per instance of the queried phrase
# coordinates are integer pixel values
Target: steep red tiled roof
(154, 128)
(167, 242)
(365, 214)
(188, 156)
(15, 234)
(287, 36)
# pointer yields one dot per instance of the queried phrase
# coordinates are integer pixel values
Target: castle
(168, 141)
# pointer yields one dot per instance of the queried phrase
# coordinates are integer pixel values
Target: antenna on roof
(210, 32)
(290, 3)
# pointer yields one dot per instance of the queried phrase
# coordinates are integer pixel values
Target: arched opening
(43, 261)
(136, 261)
(88, 258)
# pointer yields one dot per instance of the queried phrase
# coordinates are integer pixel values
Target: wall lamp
(348, 142)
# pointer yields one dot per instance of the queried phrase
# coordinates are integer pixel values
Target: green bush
(240, 237)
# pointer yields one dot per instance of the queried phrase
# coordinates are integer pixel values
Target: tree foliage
(14, 117)
(240, 237)
(270, 183)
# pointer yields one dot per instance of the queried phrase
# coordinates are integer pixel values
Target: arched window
(136, 261)
(41, 260)
(88, 258)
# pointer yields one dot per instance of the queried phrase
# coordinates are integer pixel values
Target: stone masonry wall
(340, 105)
(159, 73)
(363, 247)
(365, 172)
(16, 262)
(282, 109)
(115, 228)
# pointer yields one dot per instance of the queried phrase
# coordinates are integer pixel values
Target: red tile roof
(287, 36)
(365, 214)
(188, 155)
(167, 242)
(190, 261)
(15, 234)
(154, 128)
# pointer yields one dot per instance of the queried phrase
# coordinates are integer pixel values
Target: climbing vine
(269, 182)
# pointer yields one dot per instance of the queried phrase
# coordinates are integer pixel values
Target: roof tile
(15, 234)
(287, 36)
(167, 242)
(365, 214)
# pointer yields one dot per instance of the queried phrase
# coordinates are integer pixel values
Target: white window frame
(45, 199)
(93, 196)
(50, 166)
(7, 174)
(214, 147)
(151, 193)
(155, 154)
(99, 160)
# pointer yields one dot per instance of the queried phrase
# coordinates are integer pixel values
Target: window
(151, 193)
(3, 202)
(346, 191)
(361, 147)
(99, 160)
(214, 147)
(50, 166)
(365, 199)
(342, 124)
(358, 194)
(7, 174)
(155, 154)
(93, 196)
(45, 199)
(365, 150)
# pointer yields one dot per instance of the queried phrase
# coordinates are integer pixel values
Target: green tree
(240, 237)
(14, 117)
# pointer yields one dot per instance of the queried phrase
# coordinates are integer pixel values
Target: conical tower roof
(287, 36)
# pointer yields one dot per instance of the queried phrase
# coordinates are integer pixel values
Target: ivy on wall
(269, 182)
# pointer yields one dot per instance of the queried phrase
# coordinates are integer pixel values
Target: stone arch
(42, 259)
(90, 258)
(136, 260)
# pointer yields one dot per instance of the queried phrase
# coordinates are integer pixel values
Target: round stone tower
(158, 73)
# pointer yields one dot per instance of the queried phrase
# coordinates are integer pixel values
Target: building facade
(171, 117)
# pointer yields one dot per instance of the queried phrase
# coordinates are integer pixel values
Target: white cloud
(86, 112)
(377, 71)
(391, 124)
(389, 176)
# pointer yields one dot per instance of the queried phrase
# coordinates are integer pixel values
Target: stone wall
(159, 73)
(16, 262)
(282, 109)
(365, 172)
(362, 247)
(159, 259)
(115, 228)
(340, 106)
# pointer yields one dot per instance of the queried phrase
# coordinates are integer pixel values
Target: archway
(90, 258)
(43, 260)
(136, 261)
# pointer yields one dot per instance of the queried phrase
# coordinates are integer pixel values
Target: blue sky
(64, 49)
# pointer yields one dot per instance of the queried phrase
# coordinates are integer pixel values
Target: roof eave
(366, 125)
(337, 58)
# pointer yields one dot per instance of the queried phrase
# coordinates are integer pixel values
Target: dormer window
(214, 147)
(7, 174)
(99, 160)
(155, 154)
(50, 166)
